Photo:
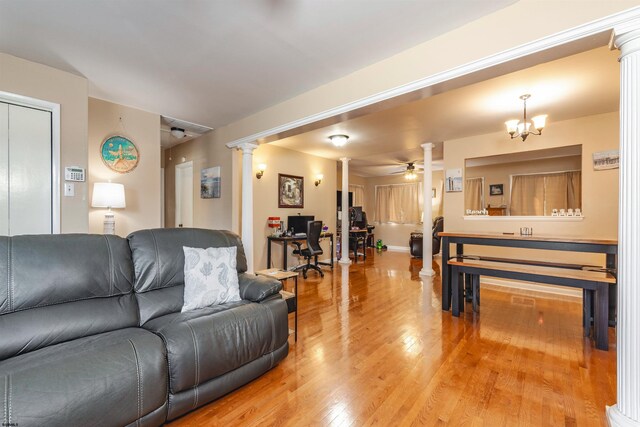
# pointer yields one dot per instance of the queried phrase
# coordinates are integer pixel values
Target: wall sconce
(261, 168)
(319, 179)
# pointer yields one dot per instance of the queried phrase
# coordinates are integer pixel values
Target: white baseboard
(527, 287)
(398, 248)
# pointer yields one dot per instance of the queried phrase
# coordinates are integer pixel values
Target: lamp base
(109, 223)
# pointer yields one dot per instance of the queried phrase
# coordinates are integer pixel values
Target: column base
(427, 272)
(615, 418)
(344, 261)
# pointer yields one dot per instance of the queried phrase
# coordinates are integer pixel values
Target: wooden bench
(590, 281)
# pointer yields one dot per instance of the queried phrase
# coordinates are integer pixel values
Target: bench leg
(468, 284)
(475, 285)
(601, 316)
(456, 296)
(587, 311)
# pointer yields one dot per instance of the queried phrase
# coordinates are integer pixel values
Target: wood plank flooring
(375, 349)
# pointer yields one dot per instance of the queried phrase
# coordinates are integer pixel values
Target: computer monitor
(356, 213)
(299, 223)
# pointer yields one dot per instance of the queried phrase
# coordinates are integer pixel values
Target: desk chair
(313, 249)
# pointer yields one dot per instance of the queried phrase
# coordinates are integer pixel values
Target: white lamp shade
(512, 126)
(108, 195)
(539, 121)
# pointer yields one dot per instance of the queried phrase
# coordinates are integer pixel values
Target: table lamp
(108, 195)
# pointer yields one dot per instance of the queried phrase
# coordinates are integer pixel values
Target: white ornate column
(626, 412)
(247, 201)
(344, 218)
(427, 206)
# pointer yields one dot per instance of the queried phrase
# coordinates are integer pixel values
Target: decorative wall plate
(119, 154)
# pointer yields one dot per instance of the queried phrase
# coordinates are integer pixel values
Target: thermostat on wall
(73, 173)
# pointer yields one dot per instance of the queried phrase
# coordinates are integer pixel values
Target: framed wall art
(210, 183)
(496, 189)
(119, 154)
(290, 191)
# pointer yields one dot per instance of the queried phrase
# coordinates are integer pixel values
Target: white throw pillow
(210, 277)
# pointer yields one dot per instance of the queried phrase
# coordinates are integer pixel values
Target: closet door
(26, 163)
(4, 169)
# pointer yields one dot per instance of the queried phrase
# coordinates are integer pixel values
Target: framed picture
(119, 154)
(496, 189)
(210, 183)
(453, 180)
(604, 160)
(433, 193)
(290, 191)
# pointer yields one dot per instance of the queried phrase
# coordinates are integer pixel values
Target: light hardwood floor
(375, 348)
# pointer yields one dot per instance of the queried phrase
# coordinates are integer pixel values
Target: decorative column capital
(427, 145)
(247, 147)
(344, 159)
(626, 37)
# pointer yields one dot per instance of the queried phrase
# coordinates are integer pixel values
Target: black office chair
(313, 249)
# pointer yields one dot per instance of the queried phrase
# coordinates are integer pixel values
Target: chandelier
(515, 128)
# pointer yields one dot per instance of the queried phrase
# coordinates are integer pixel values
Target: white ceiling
(579, 85)
(216, 61)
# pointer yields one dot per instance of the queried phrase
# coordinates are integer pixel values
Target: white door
(25, 170)
(184, 195)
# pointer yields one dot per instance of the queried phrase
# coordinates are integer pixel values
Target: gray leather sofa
(91, 331)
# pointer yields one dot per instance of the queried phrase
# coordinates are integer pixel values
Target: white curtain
(358, 194)
(400, 203)
(541, 193)
(474, 194)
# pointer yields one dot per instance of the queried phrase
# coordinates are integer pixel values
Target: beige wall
(21, 77)
(501, 174)
(142, 185)
(318, 201)
(398, 234)
(599, 188)
(204, 152)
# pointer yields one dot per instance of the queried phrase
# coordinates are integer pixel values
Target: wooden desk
(285, 242)
(554, 243)
(290, 298)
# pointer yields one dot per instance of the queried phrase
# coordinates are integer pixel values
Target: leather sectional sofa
(91, 329)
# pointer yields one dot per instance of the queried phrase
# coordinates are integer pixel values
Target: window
(540, 194)
(399, 203)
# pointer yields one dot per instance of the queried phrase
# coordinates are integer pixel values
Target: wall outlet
(69, 189)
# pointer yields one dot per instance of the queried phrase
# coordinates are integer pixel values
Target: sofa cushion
(210, 277)
(159, 265)
(206, 343)
(159, 260)
(55, 288)
(113, 378)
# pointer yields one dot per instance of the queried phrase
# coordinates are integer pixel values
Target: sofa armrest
(257, 288)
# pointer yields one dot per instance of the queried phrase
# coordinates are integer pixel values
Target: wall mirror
(545, 182)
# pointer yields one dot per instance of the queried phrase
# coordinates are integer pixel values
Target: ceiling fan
(411, 171)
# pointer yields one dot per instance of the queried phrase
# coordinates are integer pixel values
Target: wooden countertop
(534, 237)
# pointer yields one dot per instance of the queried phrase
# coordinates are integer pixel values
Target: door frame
(54, 108)
(178, 188)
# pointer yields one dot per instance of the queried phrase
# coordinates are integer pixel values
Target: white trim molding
(589, 29)
(398, 248)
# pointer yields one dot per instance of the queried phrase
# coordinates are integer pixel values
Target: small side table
(290, 298)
